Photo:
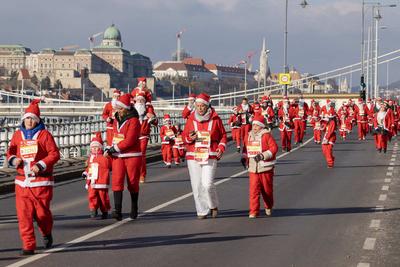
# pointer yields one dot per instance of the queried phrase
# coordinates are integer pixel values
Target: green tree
(35, 80)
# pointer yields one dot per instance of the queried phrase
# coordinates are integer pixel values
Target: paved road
(323, 217)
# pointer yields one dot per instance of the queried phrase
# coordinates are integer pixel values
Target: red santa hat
(265, 98)
(203, 98)
(97, 140)
(192, 96)
(117, 92)
(167, 117)
(360, 100)
(123, 101)
(259, 120)
(142, 79)
(33, 111)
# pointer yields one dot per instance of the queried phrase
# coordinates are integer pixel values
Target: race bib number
(253, 148)
(317, 124)
(179, 140)
(93, 171)
(301, 113)
(203, 139)
(28, 149)
(201, 155)
(170, 133)
(117, 138)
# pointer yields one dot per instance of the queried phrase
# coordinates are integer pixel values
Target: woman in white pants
(205, 139)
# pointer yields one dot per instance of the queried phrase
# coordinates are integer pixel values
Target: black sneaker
(238, 150)
(27, 252)
(117, 215)
(48, 241)
(104, 215)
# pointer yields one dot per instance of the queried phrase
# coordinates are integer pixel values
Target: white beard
(141, 109)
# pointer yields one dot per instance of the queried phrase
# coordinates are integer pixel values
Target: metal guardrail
(73, 135)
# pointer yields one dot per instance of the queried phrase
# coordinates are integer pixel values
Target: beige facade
(12, 58)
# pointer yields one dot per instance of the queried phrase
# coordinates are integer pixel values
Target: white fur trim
(32, 115)
(93, 143)
(200, 100)
(41, 163)
(119, 104)
(259, 124)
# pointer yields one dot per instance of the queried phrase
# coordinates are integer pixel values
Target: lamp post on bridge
(303, 4)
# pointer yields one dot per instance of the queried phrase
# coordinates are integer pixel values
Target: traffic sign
(284, 78)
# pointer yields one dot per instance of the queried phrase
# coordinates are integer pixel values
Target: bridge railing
(73, 135)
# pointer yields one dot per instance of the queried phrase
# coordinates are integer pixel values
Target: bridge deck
(322, 217)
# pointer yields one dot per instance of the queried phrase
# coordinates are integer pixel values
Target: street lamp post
(377, 18)
(303, 4)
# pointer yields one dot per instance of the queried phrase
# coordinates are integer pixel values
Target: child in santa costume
(235, 123)
(205, 139)
(245, 111)
(314, 116)
(330, 135)
(178, 149)
(126, 155)
(168, 135)
(97, 178)
(259, 154)
(33, 153)
(286, 115)
(362, 119)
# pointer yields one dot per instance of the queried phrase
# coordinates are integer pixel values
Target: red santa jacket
(268, 114)
(383, 119)
(300, 113)
(330, 132)
(108, 115)
(145, 123)
(315, 118)
(286, 119)
(235, 121)
(269, 148)
(217, 134)
(187, 111)
(168, 131)
(47, 155)
(362, 113)
(102, 178)
(126, 136)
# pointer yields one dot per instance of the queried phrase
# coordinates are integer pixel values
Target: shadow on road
(155, 241)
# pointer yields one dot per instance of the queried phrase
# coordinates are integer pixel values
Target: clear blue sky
(323, 36)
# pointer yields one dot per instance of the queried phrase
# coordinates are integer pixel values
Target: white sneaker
(252, 216)
(268, 212)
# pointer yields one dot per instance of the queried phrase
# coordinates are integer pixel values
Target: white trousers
(203, 187)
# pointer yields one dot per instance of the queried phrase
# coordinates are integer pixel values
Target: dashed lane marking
(385, 188)
(389, 174)
(382, 197)
(375, 224)
(369, 243)
(390, 168)
(363, 264)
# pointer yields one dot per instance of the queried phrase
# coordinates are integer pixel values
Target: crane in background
(92, 39)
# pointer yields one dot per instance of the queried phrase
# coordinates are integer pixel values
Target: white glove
(86, 186)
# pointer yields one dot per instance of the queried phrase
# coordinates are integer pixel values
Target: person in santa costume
(147, 119)
(344, 122)
(126, 155)
(178, 150)
(97, 179)
(392, 113)
(168, 134)
(206, 141)
(33, 152)
(245, 112)
(189, 108)
(382, 123)
(316, 121)
(285, 116)
(108, 117)
(300, 116)
(256, 107)
(329, 138)
(267, 111)
(235, 123)
(142, 88)
(370, 115)
(259, 154)
(362, 119)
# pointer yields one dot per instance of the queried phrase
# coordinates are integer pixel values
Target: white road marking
(369, 243)
(382, 197)
(388, 180)
(385, 188)
(391, 163)
(117, 224)
(390, 168)
(375, 224)
(363, 264)
(393, 160)
(389, 174)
